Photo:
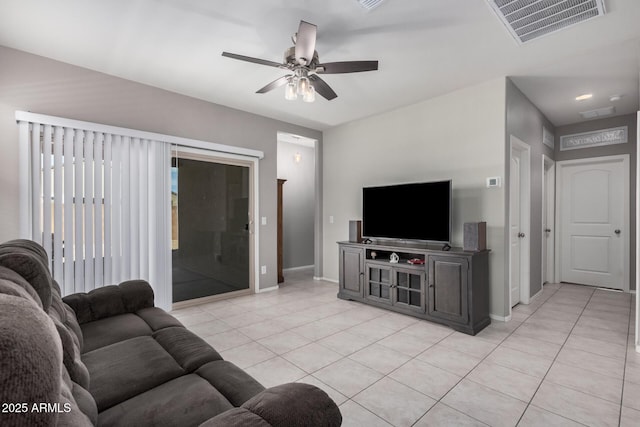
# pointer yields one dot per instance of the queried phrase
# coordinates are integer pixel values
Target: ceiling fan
(303, 63)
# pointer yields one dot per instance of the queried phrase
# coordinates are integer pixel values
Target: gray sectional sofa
(110, 358)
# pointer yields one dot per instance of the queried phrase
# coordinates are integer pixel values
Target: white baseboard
(500, 318)
(269, 289)
(536, 295)
(304, 267)
(325, 279)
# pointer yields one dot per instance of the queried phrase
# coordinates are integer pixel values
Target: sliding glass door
(211, 210)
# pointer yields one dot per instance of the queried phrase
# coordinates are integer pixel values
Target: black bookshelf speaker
(475, 236)
(355, 231)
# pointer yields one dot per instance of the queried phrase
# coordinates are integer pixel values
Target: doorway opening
(212, 211)
(298, 233)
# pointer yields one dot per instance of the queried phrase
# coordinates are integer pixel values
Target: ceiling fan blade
(274, 84)
(347, 67)
(322, 87)
(305, 42)
(254, 60)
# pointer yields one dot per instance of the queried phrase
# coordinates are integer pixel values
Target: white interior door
(519, 221)
(548, 220)
(593, 217)
(516, 241)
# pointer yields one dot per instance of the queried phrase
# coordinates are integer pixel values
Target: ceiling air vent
(370, 4)
(527, 20)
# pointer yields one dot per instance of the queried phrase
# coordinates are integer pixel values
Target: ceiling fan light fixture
(310, 94)
(291, 91)
(303, 86)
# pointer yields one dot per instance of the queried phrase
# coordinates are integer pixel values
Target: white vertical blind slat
(143, 221)
(135, 196)
(88, 210)
(116, 208)
(125, 213)
(67, 247)
(58, 197)
(47, 168)
(36, 191)
(107, 208)
(78, 196)
(98, 204)
(24, 179)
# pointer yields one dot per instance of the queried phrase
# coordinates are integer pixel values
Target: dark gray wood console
(447, 287)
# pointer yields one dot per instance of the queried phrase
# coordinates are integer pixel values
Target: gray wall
(40, 85)
(525, 122)
(298, 195)
(630, 148)
(458, 136)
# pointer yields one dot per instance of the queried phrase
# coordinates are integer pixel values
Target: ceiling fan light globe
(290, 91)
(303, 85)
(310, 95)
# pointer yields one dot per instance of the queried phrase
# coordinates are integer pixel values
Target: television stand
(447, 286)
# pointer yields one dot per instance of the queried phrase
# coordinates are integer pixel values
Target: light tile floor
(566, 359)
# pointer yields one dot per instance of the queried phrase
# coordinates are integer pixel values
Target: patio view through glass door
(211, 223)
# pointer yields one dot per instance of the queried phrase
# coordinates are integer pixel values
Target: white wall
(458, 136)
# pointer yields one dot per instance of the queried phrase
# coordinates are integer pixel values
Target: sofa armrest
(292, 404)
(107, 301)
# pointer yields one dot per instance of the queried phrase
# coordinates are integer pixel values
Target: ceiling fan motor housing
(290, 58)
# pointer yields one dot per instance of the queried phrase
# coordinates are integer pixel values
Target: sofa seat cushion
(185, 401)
(127, 368)
(157, 318)
(104, 332)
(188, 349)
(235, 384)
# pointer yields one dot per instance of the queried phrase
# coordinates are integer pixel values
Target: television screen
(419, 211)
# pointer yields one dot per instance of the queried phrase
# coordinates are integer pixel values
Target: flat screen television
(417, 211)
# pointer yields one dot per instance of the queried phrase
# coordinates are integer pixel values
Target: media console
(448, 287)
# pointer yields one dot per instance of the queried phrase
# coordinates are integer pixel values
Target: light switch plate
(494, 182)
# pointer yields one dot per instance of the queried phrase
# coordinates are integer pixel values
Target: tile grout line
(626, 355)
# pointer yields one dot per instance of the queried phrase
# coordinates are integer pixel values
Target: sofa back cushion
(29, 260)
(26, 287)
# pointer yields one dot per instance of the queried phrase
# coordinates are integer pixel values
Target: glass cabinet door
(409, 289)
(378, 283)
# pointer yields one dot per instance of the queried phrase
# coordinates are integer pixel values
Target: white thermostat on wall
(494, 181)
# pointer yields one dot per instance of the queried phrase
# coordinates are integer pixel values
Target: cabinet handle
(431, 286)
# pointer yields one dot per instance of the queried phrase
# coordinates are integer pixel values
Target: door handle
(548, 230)
(521, 235)
(617, 231)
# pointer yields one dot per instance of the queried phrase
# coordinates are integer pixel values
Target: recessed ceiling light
(583, 97)
(615, 98)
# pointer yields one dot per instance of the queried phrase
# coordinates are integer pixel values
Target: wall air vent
(370, 4)
(527, 20)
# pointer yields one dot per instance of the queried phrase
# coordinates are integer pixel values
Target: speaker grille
(527, 20)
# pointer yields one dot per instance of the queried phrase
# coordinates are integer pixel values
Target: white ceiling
(425, 49)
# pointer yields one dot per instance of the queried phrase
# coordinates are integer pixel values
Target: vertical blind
(99, 203)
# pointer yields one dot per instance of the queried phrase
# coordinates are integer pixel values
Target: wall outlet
(263, 269)
(331, 219)
(263, 220)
